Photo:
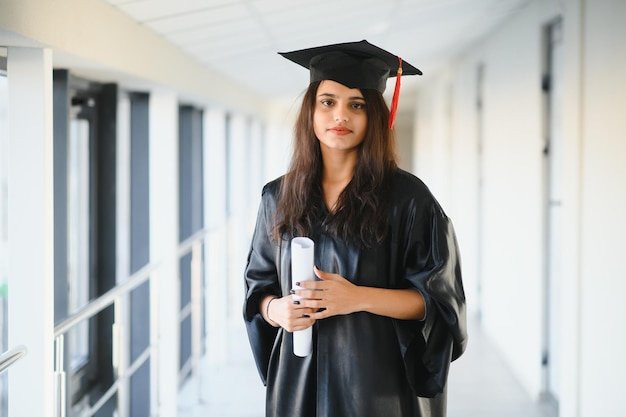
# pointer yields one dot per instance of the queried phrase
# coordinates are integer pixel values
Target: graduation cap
(355, 65)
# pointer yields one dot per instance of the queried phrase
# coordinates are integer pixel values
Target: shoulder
(402, 177)
(414, 212)
(272, 188)
(270, 195)
(406, 186)
(409, 193)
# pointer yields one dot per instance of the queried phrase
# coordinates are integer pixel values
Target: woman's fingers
(292, 316)
(335, 294)
(301, 322)
(309, 294)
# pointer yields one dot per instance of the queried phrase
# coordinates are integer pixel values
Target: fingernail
(306, 316)
(296, 302)
(292, 291)
(298, 284)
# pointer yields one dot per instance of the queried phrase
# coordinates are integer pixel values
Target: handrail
(186, 245)
(134, 281)
(106, 299)
(117, 297)
(9, 357)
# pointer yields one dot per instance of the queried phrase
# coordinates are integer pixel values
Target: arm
(337, 296)
(406, 304)
(264, 309)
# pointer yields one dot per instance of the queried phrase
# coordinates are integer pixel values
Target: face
(339, 117)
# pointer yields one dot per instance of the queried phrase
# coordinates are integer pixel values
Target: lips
(339, 130)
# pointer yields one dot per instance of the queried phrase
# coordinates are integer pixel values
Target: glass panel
(78, 236)
(4, 134)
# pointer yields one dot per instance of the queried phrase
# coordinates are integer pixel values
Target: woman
(388, 308)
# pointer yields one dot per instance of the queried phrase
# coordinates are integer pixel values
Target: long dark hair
(360, 213)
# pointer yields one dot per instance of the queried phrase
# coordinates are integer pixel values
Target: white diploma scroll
(302, 249)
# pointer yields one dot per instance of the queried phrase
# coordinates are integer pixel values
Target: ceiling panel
(241, 38)
(247, 27)
(268, 7)
(200, 18)
(228, 48)
(147, 10)
(361, 23)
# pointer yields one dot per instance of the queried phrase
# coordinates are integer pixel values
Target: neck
(338, 170)
(338, 167)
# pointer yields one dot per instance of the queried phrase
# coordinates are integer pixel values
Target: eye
(357, 105)
(326, 102)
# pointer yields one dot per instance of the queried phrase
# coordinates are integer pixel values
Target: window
(84, 216)
(78, 239)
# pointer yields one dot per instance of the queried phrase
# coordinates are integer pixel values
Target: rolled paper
(302, 250)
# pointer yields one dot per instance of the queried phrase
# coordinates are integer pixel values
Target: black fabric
(363, 364)
(353, 64)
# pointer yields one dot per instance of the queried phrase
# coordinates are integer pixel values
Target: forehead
(330, 87)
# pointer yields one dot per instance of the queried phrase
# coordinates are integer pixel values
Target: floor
(480, 385)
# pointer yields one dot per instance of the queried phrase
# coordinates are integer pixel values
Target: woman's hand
(284, 312)
(333, 295)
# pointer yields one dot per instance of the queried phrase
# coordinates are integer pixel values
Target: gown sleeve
(261, 279)
(432, 266)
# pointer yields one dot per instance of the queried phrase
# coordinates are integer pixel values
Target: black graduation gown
(363, 364)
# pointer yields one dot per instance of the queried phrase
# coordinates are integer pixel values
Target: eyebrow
(335, 96)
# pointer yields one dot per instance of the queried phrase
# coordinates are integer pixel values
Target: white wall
(447, 159)
(513, 196)
(403, 128)
(433, 136)
(603, 204)
(511, 266)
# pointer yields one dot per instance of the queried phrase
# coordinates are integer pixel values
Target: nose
(340, 116)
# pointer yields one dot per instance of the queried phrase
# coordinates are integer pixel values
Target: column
(164, 241)
(31, 231)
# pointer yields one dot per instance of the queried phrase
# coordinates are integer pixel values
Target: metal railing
(194, 245)
(118, 297)
(9, 357)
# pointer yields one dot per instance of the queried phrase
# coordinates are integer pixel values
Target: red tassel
(396, 96)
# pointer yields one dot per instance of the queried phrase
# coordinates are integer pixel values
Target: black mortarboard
(355, 65)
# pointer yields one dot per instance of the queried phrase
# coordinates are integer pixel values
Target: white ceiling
(240, 38)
